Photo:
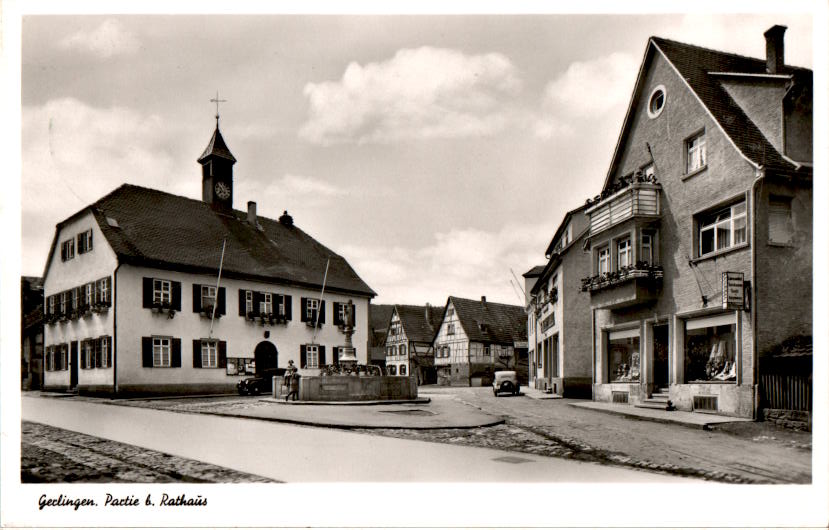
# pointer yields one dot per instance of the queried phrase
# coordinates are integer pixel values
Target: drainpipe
(593, 339)
(115, 330)
(761, 174)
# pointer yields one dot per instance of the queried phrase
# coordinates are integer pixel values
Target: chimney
(286, 220)
(774, 49)
(483, 301)
(428, 314)
(252, 213)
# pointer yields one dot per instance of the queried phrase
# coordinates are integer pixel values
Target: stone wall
(357, 388)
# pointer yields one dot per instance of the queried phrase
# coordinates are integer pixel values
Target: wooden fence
(788, 392)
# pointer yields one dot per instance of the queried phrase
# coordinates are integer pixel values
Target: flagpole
(218, 280)
(319, 309)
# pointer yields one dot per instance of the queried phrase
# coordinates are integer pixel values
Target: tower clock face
(222, 190)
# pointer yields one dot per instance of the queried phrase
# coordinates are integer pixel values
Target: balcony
(629, 286)
(638, 198)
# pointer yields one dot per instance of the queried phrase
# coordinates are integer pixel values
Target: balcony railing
(611, 279)
(635, 198)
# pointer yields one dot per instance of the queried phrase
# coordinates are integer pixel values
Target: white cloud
(419, 93)
(73, 154)
(461, 262)
(595, 89)
(301, 185)
(107, 40)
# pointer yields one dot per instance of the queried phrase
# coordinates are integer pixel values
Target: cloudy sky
(435, 153)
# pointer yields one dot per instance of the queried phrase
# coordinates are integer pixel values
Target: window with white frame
(625, 253)
(104, 345)
(450, 328)
(402, 369)
(67, 249)
(722, 229)
(209, 354)
(402, 349)
(162, 291)
(87, 349)
(248, 302)
(63, 297)
(312, 356)
(89, 294)
(74, 294)
(266, 304)
(102, 291)
(208, 297)
(393, 369)
(52, 305)
(341, 317)
(312, 306)
(646, 254)
(161, 351)
(695, 157)
(85, 242)
(604, 260)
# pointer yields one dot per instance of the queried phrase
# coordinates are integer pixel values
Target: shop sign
(732, 290)
(520, 344)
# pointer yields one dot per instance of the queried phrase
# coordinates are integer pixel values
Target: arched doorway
(266, 357)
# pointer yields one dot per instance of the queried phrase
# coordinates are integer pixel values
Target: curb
(417, 401)
(668, 421)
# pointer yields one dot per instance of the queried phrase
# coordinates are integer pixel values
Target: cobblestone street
(741, 453)
(53, 455)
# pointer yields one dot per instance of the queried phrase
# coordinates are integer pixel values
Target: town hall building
(149, 292)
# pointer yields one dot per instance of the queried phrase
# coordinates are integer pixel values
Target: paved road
(766, 454)
(304, 454)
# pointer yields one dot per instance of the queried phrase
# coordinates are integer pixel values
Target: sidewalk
(679, 417)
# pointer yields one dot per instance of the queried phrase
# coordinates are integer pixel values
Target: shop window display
(709, 354)
(623, 359)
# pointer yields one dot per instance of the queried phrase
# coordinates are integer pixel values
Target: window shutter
(176, 301)
(62, 252)
(303, 309)
(96, 352)
(321, 360)
(89, 242)
(108, 281)
(337, 320)
(220, 301)
(258, 298)
(353, 315)
(222, 354)
(303, 356)
(109, 351)
(175, 357)
(242, 302)
(196, 298)
(336, 360)
(147, 352)
(196, 353)
(288, 307)
(322, 312)
(82, 356)
(148, 294)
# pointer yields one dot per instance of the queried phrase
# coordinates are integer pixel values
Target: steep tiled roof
(696, 64)
(503, 323)
(535, 271)
(217, 147)
(379, 316)
(167, 231)
(415, 323)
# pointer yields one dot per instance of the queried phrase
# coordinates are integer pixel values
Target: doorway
(265, 357)
(660, 356)
(73, 365)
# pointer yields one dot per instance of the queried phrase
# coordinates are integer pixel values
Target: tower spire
(216, 100)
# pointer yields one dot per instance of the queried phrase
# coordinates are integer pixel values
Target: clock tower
(217, 172)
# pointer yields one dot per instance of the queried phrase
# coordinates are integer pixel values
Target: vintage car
(259, 384)
(505, 381)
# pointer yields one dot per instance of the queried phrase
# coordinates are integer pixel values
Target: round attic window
(656, 102)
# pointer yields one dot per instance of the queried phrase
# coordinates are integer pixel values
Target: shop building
(701, 240)
(475, 338)
(558, 316)
(136, 303)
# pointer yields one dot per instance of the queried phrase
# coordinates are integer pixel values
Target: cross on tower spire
(216, 100)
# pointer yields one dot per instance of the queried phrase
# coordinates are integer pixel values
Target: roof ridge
(760, 61)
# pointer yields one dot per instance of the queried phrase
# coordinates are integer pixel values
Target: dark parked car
(506, 381)
(259, 384)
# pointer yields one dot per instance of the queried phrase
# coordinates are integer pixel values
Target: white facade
(127, 322)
